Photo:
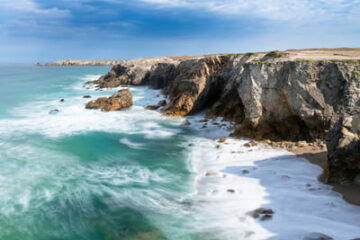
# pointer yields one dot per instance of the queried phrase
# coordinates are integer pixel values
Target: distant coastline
(71, 62)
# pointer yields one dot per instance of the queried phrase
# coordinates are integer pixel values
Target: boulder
(187, 122)
(54, 111)
(343, 144)
(120, 100)
(87, 96)
(152, 107)
(317, 236)
(262, 213)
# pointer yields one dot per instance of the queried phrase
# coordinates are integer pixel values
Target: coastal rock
(262, 213)
(343, 144)
(134, 72)
(187, 122)
(87, 96)
(162, 103)
(317, 236)
(38, 64)
(54, 111)
(120, 100)
(152, 107)
(196, 86)
(269, 98)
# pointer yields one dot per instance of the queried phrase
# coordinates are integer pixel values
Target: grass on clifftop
(303, 60)
(350, 61)
(260, 62)
(274, 54)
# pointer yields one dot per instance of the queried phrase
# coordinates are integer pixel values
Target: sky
(51, 30)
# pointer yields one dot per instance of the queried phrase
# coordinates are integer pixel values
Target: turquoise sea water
(84, 174)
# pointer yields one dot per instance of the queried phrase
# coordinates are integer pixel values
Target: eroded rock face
(120, 100)
(343, 144)
(273, 98)
(197, 85)
(133, 72)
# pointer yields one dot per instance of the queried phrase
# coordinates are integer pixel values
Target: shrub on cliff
(274, 54)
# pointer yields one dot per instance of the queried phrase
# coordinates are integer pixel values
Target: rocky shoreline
(291, 96)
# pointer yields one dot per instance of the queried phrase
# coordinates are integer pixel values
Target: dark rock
(54, 111)
(120, 100)
(343, 144)
(87, 96)
(317, 236)
(210, 174)
(162, 103)
(152, 107)
(262, 213)
(62, 100)
(187, 122)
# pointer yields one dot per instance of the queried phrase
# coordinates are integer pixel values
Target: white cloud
(29, 6)
(268, 9)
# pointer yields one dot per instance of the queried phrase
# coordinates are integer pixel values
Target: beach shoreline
(317, 156)
(237, 176)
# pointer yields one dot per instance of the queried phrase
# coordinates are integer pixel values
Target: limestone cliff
(276, 95)
(269, 97)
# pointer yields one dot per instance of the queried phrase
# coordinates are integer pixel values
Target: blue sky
(49, 30)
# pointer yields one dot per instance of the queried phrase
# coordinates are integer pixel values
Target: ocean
(136, 174)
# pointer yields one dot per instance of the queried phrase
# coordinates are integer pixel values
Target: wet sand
(318, 156)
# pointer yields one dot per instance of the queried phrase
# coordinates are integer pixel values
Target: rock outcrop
(120, 100)
(343, 142)
(136, 72)
(268, 97)
(278, 96)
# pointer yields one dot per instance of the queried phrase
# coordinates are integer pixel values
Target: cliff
(292, 95)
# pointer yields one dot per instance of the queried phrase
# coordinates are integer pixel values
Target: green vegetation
(249, 54)
(349, 61)
(260, 62)
(232, 54)
(299, 61)
(355, 75)
(274, 54)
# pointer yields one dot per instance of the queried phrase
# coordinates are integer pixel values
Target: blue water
(85, 174)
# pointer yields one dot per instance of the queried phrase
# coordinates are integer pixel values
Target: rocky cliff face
(343, 142)
(268, 97)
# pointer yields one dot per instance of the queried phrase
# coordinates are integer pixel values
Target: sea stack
(120, 100)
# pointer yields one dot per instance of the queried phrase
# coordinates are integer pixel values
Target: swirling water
(82, 174)
(135, 174)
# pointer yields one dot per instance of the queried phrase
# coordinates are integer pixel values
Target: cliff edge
(292, 95)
